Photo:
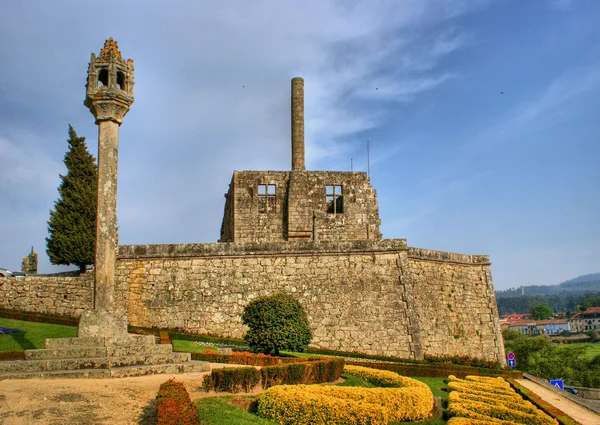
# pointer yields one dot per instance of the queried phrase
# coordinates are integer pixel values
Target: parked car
(5, 273)
(572, 390)
(19, 274)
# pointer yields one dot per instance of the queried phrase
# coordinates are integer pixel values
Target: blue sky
(482, 117)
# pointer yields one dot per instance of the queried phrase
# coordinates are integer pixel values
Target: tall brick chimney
(298, 124)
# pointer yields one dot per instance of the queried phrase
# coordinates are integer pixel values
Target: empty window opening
(266, 198)
(103, 78)
(335, 199)
(121, 80)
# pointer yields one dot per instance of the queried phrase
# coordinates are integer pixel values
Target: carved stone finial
(110, 52)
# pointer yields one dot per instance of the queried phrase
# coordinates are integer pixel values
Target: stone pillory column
(298, 124)
(109, 94)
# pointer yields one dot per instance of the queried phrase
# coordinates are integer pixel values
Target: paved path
(124, 401)
(575, 411)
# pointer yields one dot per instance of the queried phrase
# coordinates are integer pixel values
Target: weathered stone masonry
(375, 297)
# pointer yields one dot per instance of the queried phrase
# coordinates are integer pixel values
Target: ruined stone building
(300, 205)
(315, 235)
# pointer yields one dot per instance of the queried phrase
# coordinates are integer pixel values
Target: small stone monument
(30, 263)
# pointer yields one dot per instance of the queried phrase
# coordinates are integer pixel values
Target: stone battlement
(447, 257)
(237, 249)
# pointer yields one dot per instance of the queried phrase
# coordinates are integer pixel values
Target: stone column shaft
(298, 124)
(106, 216)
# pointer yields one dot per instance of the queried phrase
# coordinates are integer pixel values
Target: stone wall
(456, 304)
(60, 295)
(374, 297)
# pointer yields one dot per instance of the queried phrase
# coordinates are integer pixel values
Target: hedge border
(27, 316)
(543, 405)
(436, 371)
(12, 355)
(247, 378)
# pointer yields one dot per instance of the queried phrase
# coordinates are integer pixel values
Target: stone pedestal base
(103, 323)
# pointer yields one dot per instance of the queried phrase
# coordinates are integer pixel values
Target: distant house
(516, 316)
(539, 327)
(586, 321)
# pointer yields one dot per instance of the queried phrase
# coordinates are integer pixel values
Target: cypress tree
(72, 224)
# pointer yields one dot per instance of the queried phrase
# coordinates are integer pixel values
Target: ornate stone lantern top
(109, 88)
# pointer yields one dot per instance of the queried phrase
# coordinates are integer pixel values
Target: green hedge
(246, 378)
(12, 355)
(436, 371)
(302, 373)
(232, 380)
(55, 319)
(174, 406)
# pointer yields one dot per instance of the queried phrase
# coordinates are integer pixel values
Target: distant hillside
(583, 284)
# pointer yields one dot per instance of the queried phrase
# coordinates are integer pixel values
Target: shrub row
(174, 406)
(558, 414)
(311, 372)
(470, 421)
(55, 319)
(246, 378)
(428, 359)
(435, 371)
(12, 355)
(316, 405)
(232, 380)
(320, 405)
(491, 400)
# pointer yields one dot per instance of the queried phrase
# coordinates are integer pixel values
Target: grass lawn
(219, 411)
(436, 385)
(593, 349)
(33, 334)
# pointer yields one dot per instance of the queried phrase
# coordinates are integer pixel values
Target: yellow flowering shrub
(403, 399)
(315, 404)
(467, 386)
(496, 381)
(487, 421)
(478, 400)
(514, 403)
(383, 378)
(288, 405)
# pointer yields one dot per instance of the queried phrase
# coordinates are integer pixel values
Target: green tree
(72, 224)
(276, 323)
(542, 312)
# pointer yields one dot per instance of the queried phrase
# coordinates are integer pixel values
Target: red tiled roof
(538, 322)
(592, 310)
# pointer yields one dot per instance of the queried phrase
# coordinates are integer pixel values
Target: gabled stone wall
(299, 207)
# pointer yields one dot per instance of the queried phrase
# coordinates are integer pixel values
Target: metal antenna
(368, 161)
(351, 165)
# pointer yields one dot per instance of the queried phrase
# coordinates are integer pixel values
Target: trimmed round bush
(277, 322)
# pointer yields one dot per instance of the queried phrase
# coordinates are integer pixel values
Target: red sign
(510, 356)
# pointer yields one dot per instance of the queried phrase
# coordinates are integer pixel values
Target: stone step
(91, 363)
(98, 351)
(118, 372)
(57, 343)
